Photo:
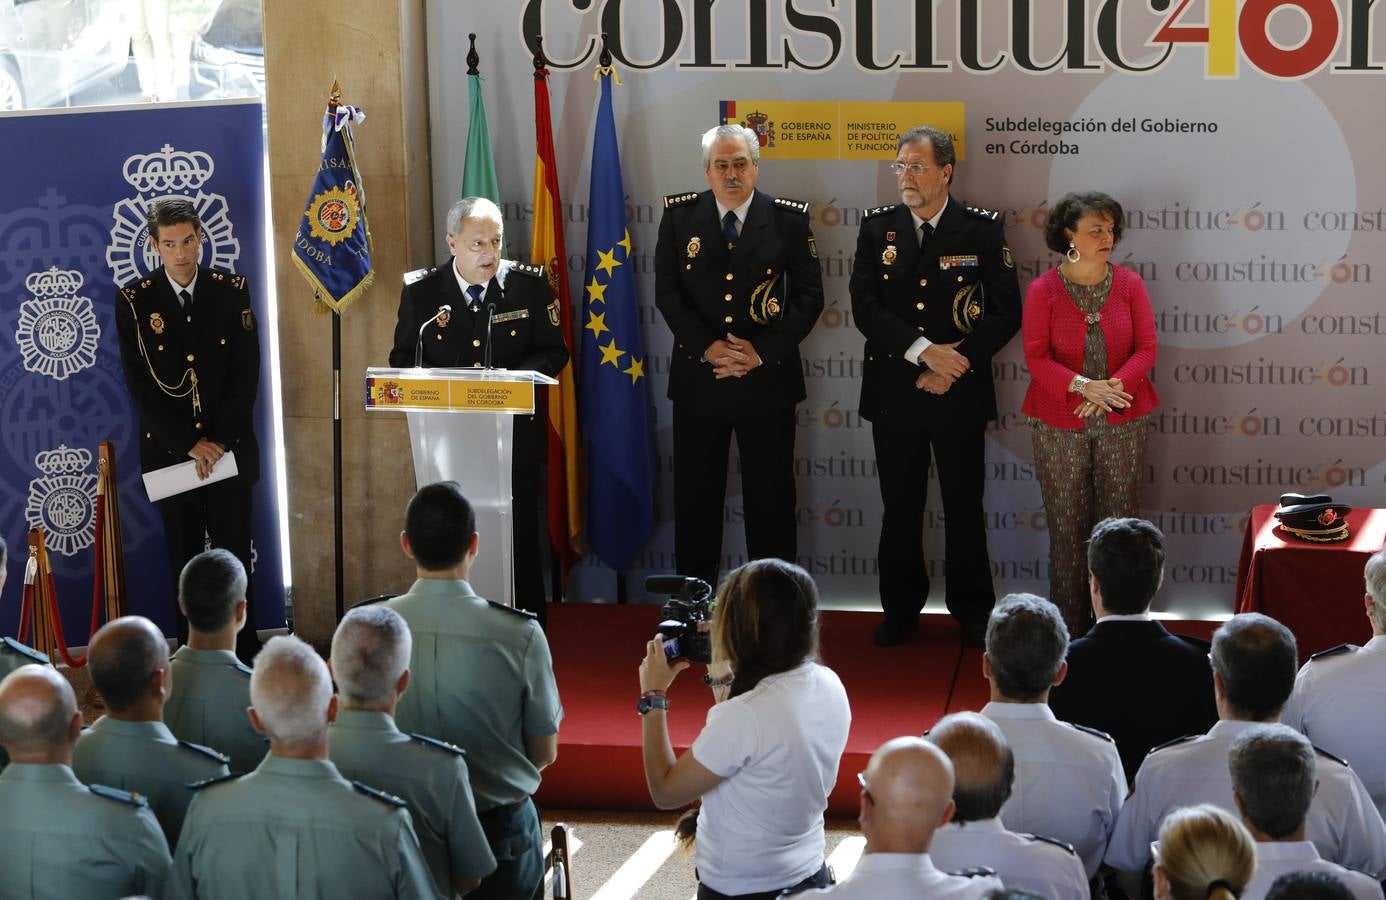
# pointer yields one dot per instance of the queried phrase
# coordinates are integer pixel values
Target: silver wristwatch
(1080, 382)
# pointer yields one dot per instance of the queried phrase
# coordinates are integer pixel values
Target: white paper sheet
(182, 477)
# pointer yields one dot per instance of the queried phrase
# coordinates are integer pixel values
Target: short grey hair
(290, 690)
(1273, 775)
(939, 140)
(718, 132)
(370, 651)
(473, 208)
(1375, 576)
(1027, 641)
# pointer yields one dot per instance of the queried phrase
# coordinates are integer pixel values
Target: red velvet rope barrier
(97, 591)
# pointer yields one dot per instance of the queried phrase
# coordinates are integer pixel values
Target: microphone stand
(443, 310)
(490, 314)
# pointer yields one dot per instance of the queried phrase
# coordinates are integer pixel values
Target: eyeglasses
(900, 168)
(866, 791)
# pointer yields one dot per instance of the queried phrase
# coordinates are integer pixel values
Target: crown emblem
(63, 460)
(168, 170)
(760, 123)
(54, 283)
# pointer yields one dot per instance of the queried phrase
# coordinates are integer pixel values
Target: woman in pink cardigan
(1090, 345)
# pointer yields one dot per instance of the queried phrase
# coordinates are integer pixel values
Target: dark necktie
(925, 230)
(186, 299)
(475, 291)
(729, 229)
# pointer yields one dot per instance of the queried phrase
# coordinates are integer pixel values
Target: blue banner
(333, 245)
(72, 202)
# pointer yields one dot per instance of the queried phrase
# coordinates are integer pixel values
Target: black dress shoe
(974, 635)
(892, 634)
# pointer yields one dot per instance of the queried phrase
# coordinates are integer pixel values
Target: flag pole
(337, 554)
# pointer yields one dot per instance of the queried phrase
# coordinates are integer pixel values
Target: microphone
(443, 310)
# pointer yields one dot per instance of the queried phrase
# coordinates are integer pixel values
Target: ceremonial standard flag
(333, 245)
(614, 402)
(479, 169)
(546, 248)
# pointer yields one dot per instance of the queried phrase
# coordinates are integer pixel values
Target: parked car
(52, 49)
(228, 59)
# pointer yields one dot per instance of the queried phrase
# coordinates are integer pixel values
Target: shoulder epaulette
(111, 793)
(525, 268)
(1055, 841)
(800, 206)
(215, 779)
(679, 199)
(378, 598)
(26, 651)
(244, 669)
(1326, 755)
(441, 745)
(1179, 740)
(974, 872)
(1095, 732)
(134, 289)
(1331, 651)
(419, 274)
(877, 210)
(238, 282)
(206, 751)
(513, 611)
(217, 276)
(383, 797)
(979, 211)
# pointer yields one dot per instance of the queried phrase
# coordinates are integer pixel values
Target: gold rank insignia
(247, 320)
(765, 306)
(695, 246)
(553, 313)
(156, 323)
(969, 303)
(888, 256)
(1007, 258)
(444, 316)
(813, 248)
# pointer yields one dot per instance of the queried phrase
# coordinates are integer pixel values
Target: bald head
(125, 654)
(39, 721)
(909, 786)
(291, 693)
(983, 764)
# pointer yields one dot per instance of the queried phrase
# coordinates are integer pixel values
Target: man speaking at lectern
(479, 310)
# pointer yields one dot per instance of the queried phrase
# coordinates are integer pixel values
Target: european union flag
(332, 247)
(612, 389)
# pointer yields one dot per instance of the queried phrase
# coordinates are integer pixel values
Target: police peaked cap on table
(1315, 518)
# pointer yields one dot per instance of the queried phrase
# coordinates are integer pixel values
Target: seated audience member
(60, 839)
(482, 679)
(1274, 775)
(983, 770)
(130, 747)
(906, 794)
(1013, 894)
(1338, 700)
(295, 827)
(767, 757)
(211, 687)
(370, 663)
(1128, 676)
(13, 654)
(1204, 854)
(1308, 886)
(1254, 661)
(1069, 782)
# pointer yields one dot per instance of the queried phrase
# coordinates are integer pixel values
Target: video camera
(690, 603)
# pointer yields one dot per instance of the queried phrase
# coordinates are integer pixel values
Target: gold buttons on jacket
(191, 358)
(476, 342)
(728, 320)
(223, 342)
(729, 276)
(919, 305)
(885, 276)
(438, 336)
(512, 332)
(161, 348)
(960, 278)
(726, 297)
(923, 282)
(197, 425)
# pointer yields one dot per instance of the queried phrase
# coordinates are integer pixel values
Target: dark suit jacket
(524, 328)
(219, 344)
(901, 292)
(1140, 684)
(768, 290)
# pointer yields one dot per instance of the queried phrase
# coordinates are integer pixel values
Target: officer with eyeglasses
(934, 290)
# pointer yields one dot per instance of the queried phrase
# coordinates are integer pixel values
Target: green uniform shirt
(146, 758)
(428, 775)
(211, 690)
(483, 680)
(13, 654)
(60, 840)
(295, 829)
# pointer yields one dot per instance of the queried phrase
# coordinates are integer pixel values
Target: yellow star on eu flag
(636, 370)
(610, 354)
(596, 323)
(607, 262)
(625, 242)
(596, 291)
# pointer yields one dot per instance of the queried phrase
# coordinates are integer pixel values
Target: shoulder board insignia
(378, 598)
(979, 211)
(523, 613)
(1095, 732)
(417, 274)
(1176, 741)
(527, 269)
(796, 205)
(679, 199)
(244, 669)
(1055, 841)
(974, 872)
(206, 751)
(25, 651)
(383, 797)
(238, 282)
(1326, 755)
(877, 210)
(216, 779)
(441, 745)
(217, 275)
(111, 793)
(1331, 651)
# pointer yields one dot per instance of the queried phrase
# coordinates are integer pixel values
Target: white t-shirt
(777, 746)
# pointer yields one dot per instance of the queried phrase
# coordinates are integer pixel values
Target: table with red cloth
(1316, 590)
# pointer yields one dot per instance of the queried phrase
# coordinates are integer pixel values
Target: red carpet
(597, 650)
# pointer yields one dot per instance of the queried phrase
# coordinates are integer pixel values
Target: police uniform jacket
(1068, 779)
(525, 330)
(211, 690)
(214, 346)
(961, 286)
(481, 678)
(1331, 692)
(767, 290)
(1278, 858)
(1342, 822)
(429, 775)
(907, 876)
(1044, 865)
(297, 828)
(60, 839)
(145, 757)
(13, 654)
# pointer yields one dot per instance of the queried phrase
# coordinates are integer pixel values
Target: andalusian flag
(546, 248)
(479, 170)
(613, 387)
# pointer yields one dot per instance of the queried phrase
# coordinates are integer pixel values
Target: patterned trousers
(1085, 476)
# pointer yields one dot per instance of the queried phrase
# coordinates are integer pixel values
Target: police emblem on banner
(168, 173)
(333, 214)
(63, 501)
(57, 331)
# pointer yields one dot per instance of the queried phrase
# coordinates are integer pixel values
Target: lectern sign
(431, 394)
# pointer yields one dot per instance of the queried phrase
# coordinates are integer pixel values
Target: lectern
(460, 430)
